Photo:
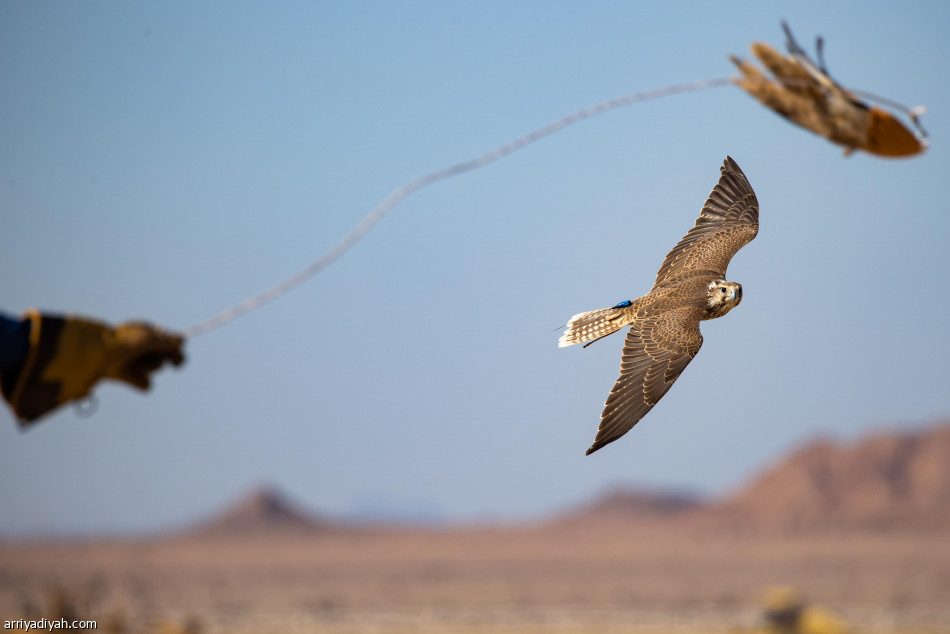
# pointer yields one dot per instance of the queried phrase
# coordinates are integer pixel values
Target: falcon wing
(655, 353)
(729, 220)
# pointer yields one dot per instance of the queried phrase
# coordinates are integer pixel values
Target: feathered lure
(805, 94)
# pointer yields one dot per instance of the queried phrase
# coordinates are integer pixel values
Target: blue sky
(167, 160)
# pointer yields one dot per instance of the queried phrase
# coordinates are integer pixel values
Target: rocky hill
(884, 481)
(261, 512)
(633, 506)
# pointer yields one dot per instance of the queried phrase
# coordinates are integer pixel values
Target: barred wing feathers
(729, 220)
(656, 351)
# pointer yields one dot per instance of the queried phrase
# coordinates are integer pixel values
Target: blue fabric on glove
(14, 344)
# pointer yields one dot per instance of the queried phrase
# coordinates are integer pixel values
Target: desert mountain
(633, 506)
(264, 511)
(886, 480)
(881, 482)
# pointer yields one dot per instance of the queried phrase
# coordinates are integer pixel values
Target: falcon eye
(722, 288)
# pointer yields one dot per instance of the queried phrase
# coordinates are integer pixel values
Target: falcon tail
(591, 326)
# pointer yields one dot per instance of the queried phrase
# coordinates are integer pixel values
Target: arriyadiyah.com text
(51, 625)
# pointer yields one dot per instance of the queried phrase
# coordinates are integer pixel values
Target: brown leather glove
(141, 349)
(69, 355)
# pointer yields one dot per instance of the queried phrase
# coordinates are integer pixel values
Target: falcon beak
(736, 295)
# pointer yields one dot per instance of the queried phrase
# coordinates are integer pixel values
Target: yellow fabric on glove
(69, 355)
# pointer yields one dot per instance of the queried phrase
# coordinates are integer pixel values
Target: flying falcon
(664, 324)
(805, 94)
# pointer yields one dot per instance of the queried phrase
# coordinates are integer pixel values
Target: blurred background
(165, 161)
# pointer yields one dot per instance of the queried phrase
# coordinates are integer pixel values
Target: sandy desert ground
(605, 578)
(861, 531)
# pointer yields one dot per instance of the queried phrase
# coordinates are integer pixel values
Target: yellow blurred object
(786, 612)
(804, 94)
(815, 620)
(783, 610)
(69, 355)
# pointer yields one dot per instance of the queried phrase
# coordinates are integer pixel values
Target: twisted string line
(403, 192)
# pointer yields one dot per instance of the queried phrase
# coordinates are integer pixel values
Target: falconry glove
(67, 356)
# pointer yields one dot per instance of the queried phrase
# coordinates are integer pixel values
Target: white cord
(397, 196)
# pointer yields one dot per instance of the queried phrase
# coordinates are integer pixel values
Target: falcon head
(722, 297)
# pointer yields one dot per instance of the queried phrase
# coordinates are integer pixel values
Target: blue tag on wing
(623, 304)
